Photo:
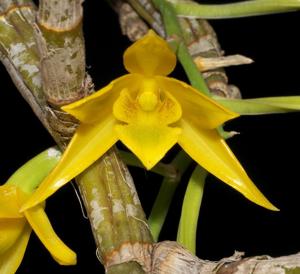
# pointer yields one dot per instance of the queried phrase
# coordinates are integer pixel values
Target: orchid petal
(125, 107)
(98, 106)
(12, 258)
(39, 222)
(196, 107)
(149, 144)
(210, 151)
(150, 56)
(9, 205)
(88, 144)
(10, 231)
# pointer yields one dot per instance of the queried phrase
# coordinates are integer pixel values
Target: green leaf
(32, 173)
(266, 105)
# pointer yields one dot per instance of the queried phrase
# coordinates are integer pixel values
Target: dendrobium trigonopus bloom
(15, 227)
(149, 113)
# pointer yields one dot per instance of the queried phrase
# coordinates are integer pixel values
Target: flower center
(148, 95)
(148, 100)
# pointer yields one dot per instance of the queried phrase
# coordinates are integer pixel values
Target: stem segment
(117, 218)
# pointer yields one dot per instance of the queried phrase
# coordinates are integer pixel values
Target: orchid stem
(121, 221)
(233, 10)
(187, 230)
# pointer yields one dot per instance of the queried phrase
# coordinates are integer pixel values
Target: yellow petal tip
(69, 259)
(271, 207)
(258, 198)
(149, 165)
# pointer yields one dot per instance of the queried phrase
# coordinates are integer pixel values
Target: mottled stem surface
(117, 218)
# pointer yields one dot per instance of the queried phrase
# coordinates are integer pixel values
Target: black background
(268, 146)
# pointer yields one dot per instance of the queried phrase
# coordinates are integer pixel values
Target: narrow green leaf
(233, 10)
(266, 105)
(187, 230)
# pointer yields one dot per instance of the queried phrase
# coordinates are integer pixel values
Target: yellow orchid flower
(149, 113)
(15, 227)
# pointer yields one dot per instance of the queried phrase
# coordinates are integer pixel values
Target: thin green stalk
(164, 198)
(187, 230)
(175, 35)
(191, 70)
(233, 10)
